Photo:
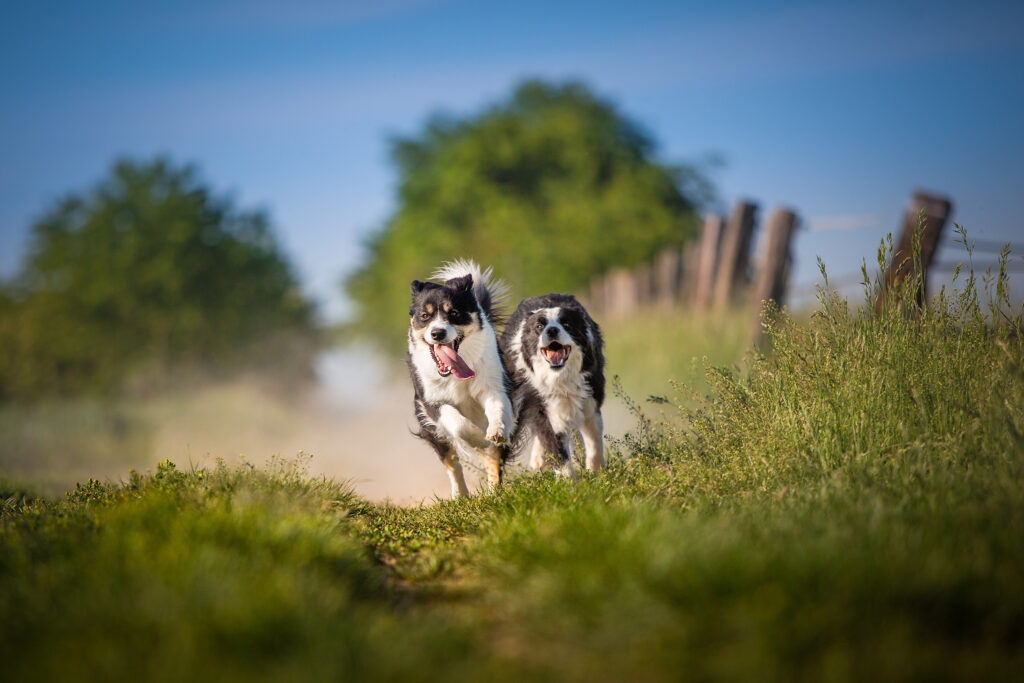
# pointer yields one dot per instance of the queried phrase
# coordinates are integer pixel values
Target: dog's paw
(497, 434)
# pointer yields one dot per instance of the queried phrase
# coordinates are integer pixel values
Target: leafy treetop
(551, 187)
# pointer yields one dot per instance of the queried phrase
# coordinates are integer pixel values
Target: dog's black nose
(551, 331)
(438, 334)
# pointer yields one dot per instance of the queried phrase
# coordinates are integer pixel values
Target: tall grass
(893, 392)
(847, 507)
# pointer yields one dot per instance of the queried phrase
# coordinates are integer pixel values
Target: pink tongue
(452, 359)
(558, 356)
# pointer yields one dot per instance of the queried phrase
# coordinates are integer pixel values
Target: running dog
(555, 350)
(462, 391)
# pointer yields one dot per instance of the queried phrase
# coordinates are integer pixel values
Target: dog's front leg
(540, 455)
(498, 410)
(455, 424)
(455, 477)
(593, 441)
(494, 459)
(551, 448)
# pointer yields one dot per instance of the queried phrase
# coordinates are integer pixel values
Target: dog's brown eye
(424, 316)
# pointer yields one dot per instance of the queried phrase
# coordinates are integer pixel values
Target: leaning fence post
(935, 210)
(703, 280)
(734, 256)
(773, 265)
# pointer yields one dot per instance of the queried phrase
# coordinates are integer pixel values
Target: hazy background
(836, 109)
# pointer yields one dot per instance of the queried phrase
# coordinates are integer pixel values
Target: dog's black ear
(417, 287)
(460, 284)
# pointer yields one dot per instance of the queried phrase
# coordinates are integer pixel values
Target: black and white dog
(460, 382)
(555, 350)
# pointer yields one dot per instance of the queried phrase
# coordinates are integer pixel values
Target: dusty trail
(356, 426)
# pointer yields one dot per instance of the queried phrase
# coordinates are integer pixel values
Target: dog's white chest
(565, 394)
(453, 392)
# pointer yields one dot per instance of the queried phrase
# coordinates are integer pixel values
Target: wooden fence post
(702, 281)
(595, 297)
(687, 285)
(734, 256)
(668, 272)
(934, 210)
(773, 265)
(643, 286)
(620, 293)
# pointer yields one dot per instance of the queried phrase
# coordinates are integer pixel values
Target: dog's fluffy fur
(462, 391)
(555, 350)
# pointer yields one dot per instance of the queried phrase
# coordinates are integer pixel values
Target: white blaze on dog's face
(441, 317)
(551, 337)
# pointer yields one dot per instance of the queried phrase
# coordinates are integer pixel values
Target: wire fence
(718, 269)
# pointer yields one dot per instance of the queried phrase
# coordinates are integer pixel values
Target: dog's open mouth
(449, 362)
(556, 354)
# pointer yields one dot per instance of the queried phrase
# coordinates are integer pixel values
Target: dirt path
(357, 426)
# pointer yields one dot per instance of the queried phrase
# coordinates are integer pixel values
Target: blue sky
(838, 109)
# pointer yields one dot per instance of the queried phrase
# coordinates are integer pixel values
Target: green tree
(551, 187)
(144, 274)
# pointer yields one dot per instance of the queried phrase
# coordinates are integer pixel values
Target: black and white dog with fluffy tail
(461, 386)
(555, 350)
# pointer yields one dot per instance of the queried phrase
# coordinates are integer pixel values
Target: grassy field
(848, 506)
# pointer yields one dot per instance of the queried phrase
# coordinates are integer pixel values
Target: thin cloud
(860, 221)
(305, 14)
(806, 40)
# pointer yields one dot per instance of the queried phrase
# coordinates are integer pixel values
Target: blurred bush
(551, 187)
(142, 276)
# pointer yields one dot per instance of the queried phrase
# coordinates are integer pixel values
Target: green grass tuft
(235, 573)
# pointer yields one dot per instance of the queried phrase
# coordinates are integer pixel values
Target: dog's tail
(490, 291)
